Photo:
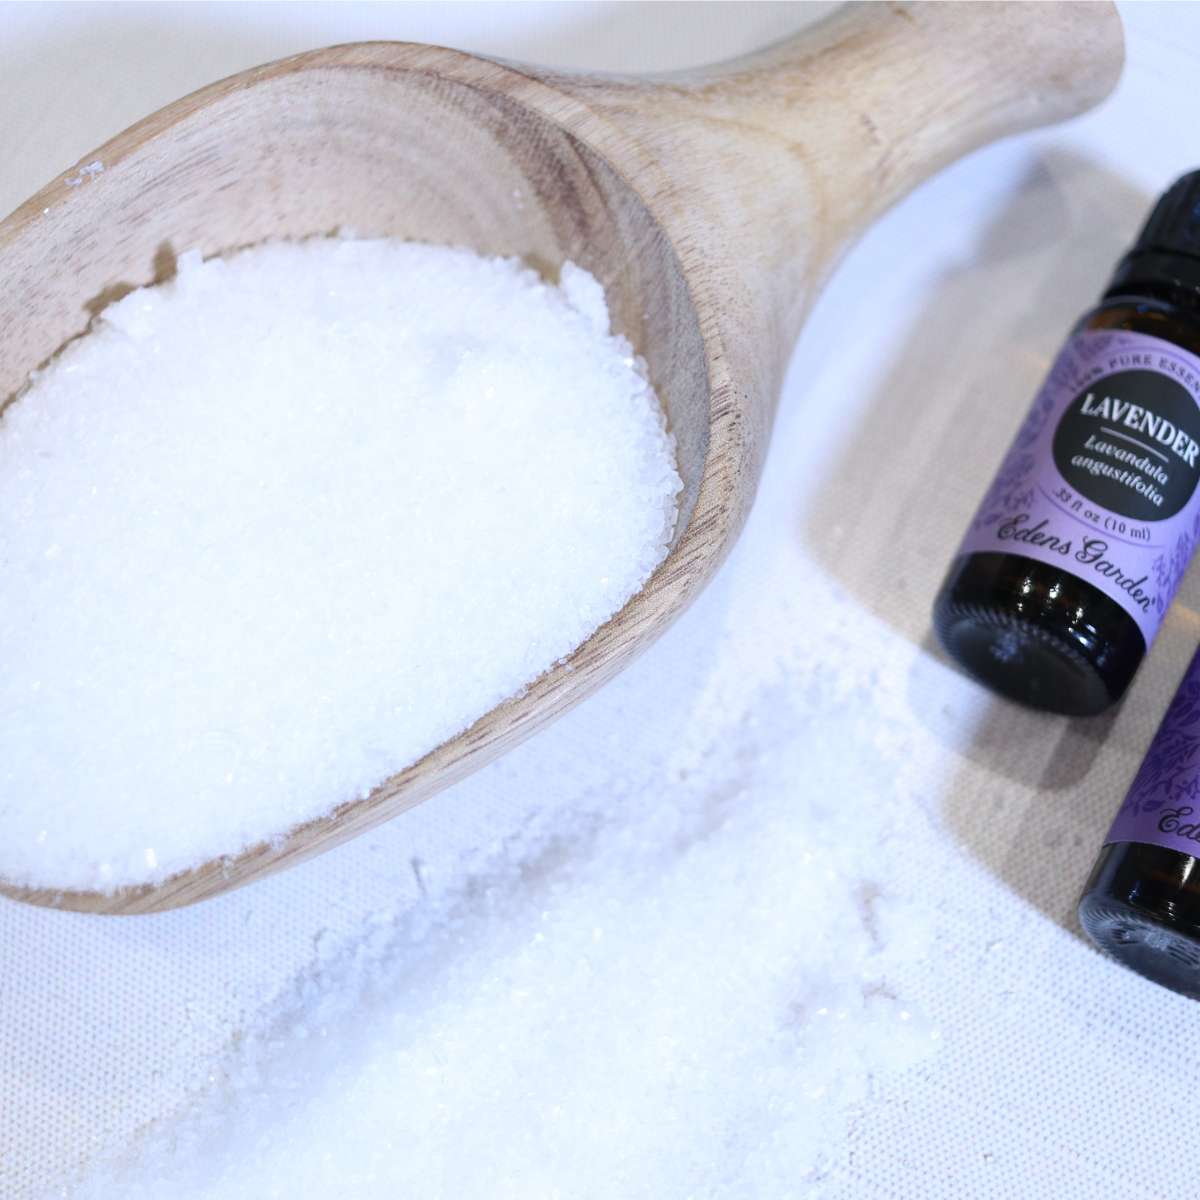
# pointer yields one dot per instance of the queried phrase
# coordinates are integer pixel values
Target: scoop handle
(794, 150)
(881, 96)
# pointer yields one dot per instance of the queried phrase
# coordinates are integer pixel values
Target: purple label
(1163, 805)
(1101, 479)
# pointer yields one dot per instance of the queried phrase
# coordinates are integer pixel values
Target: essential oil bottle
(1076, 551)
(1142, 902)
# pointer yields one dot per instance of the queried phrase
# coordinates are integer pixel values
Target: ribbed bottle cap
(1168, 248)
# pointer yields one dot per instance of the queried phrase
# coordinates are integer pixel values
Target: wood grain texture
(710, 204)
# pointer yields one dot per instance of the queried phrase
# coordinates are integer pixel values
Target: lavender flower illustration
(1171, 770)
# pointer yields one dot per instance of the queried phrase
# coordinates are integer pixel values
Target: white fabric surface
(1060, 1075)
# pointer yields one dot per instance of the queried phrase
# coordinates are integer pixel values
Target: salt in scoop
(711, 205)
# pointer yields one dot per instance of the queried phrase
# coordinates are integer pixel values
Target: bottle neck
(1168, 278)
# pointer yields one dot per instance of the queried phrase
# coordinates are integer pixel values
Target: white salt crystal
(275, 529)
(643, 998)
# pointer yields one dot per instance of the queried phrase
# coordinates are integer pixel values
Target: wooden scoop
(711, 205)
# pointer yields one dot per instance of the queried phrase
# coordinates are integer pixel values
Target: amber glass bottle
(1142, 902)
(1077, 549)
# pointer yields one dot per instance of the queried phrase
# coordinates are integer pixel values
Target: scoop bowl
(711, 205)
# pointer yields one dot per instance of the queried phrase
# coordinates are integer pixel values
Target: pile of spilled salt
(685, 996)
(273, 530)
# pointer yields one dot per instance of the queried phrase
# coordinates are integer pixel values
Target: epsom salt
(685, 981)
(276, 528)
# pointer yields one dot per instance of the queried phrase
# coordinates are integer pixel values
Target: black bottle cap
(1167, 251)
